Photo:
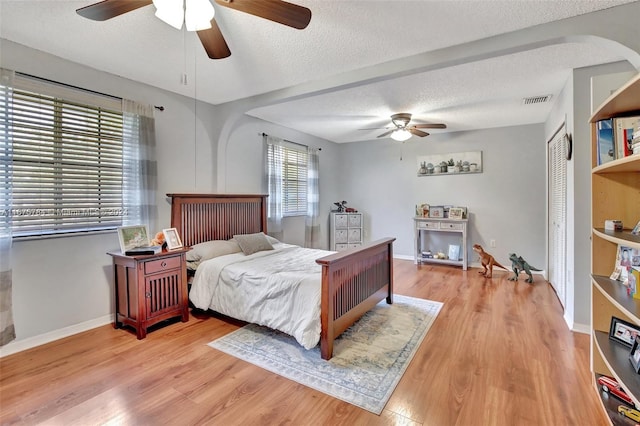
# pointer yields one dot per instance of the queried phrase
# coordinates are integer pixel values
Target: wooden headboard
(204, 217)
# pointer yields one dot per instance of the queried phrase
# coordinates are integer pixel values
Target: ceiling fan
(403, 131)
(208, 31)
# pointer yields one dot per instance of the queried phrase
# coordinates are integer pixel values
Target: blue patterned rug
(368, 361)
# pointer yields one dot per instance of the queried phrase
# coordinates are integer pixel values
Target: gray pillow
(253, 243)
(209, 250)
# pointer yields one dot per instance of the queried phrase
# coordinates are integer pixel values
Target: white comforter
(278, 288)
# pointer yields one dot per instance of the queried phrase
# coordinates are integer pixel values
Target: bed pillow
(272, 240)
(209, 250)
(253, 243)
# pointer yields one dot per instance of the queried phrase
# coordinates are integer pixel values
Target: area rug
(368, 361)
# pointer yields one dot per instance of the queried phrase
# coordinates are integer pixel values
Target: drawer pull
(163, 264)
(148, 295)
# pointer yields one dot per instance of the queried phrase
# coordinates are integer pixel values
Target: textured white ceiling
(343, 36)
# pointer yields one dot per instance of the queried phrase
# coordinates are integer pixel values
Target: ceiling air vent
(536, 100)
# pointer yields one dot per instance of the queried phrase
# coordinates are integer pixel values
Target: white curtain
(140, 168)
(274, 185)
(312, 221)
(7, 328)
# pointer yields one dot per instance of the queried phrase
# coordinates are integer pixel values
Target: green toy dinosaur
(520, 265)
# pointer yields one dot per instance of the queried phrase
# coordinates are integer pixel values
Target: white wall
(245, 169)
(63, 282)
(582, 184)
(575, 105)
(506, 202)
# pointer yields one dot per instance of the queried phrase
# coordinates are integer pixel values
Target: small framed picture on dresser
(172, 238)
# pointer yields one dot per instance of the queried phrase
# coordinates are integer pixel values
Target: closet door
(558, 214)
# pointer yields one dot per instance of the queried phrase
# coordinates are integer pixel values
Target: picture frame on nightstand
(172, 238)
(131, 237)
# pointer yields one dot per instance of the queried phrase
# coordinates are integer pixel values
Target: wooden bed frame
(353, 281)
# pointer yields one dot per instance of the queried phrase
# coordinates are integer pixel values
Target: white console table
(422, 225)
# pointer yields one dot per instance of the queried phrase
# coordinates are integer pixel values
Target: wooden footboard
(353, 282)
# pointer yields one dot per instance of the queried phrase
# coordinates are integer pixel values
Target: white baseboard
(581, 328)
(32, 342)
(402, 257)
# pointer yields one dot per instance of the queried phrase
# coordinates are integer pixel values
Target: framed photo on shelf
(436, 211)
(636, 229)
(454, 252)
(172, 238)
(623, 332)
(456, 213)
(134, 236)
(634, 355)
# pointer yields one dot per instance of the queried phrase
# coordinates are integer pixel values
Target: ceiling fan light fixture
(195, 14)
(170, 12)
(401, 135)
(198, 15)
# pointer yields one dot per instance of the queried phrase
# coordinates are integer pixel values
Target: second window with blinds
(293, 159)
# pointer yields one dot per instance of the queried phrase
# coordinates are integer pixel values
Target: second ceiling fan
(174, 12)
(402, 131)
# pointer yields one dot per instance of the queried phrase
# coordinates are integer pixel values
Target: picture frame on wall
(172, 238)
(134, 236)
(623, 332)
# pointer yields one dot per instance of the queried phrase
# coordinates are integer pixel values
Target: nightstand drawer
(428, 225)
(454, 226)
(161, 264)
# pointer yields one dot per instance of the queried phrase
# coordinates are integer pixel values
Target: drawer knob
(148, 295)
(163, 264)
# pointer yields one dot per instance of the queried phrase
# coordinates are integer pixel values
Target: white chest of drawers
(346, 231)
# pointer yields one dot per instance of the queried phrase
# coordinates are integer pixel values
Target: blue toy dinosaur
(520, 265)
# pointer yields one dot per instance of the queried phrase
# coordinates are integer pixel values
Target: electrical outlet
(492, 243)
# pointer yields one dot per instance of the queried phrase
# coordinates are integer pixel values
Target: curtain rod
(161, 108)
(295, 143)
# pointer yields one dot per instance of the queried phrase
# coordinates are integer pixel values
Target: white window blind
(294, 177)
(66, 158)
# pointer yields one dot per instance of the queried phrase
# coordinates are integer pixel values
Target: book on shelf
(139, 251)
(624, 130)
(604, 137)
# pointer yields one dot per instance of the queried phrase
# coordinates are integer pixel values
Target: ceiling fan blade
(213, 42)
(279, 11)
(431, 126)
(108, 9)
(377, 128)
(417, 132)
(387, 133)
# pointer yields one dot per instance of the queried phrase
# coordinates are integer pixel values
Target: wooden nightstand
(150, 289)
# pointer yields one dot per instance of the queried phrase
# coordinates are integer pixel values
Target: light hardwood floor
(499, 353)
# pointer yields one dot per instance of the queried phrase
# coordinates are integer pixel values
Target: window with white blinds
(64, 148)
(293, 158)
